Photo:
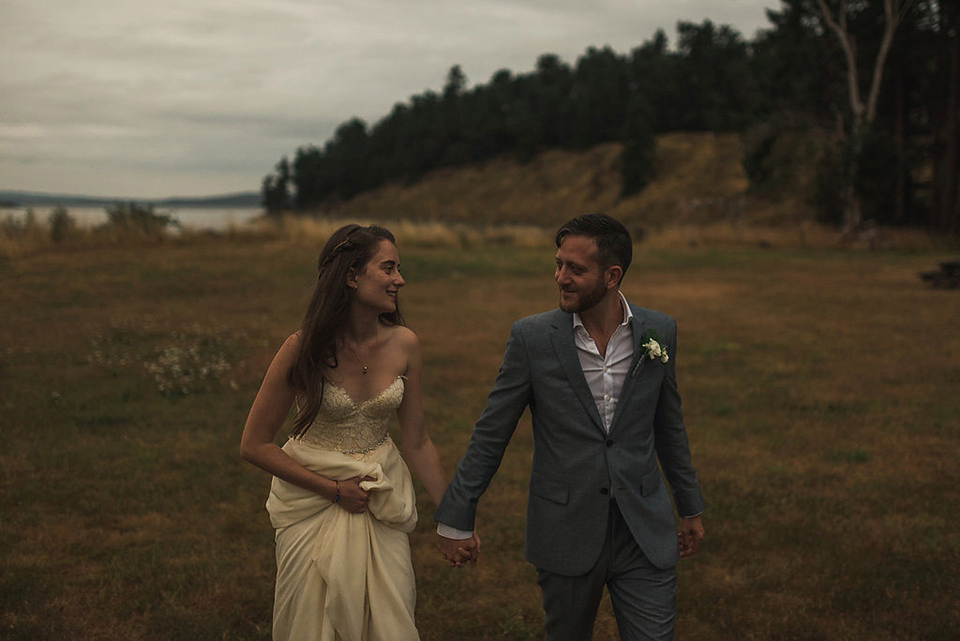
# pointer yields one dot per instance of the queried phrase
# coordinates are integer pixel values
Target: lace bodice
(346, 426)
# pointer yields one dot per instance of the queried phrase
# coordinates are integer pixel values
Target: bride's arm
(267, 415)
(422, 457)
(418, 450)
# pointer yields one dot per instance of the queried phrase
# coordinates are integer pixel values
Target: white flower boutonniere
(655, 350)
(652, 348)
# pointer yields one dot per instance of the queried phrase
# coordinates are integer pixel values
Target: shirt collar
(627, 314)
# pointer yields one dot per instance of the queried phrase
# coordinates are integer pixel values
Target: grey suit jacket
(578, 467)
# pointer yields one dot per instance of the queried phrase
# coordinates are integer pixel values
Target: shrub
(882, 169)
(636, 166)
(828, 198)
(62, 224)
(782, 155)
(132, 218)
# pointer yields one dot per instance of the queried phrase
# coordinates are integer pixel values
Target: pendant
(364, 369)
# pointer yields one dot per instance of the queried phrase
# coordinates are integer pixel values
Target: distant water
(215, 219)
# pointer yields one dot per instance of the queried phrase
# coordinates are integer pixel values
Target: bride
(342, 500)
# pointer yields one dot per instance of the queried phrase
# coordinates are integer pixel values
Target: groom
(599, 377)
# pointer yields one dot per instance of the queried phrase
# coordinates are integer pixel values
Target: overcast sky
(134, 99)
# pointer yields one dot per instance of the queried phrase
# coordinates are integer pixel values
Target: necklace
(356, 352)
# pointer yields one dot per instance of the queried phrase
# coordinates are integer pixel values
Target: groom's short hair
(614, 245)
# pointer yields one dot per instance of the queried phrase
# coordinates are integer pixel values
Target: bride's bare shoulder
(290, 348)
(404, 337)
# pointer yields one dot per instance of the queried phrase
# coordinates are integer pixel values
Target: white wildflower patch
(185, 369)
(178, 364)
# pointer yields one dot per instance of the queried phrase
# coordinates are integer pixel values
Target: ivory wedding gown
(344, 576)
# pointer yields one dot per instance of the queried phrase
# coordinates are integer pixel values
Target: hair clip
(341, 246)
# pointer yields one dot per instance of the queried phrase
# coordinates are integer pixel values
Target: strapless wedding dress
(344, 576)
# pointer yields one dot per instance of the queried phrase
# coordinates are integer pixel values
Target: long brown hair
(349, 248)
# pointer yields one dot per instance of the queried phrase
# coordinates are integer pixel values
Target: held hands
(352, 497)
(459, 551)
(689, 535)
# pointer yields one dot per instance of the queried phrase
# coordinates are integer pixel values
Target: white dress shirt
(605, 376)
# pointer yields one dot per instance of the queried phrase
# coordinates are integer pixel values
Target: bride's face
(377, 286)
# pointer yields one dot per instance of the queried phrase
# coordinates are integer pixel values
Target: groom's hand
(459, 551)
(690, 535)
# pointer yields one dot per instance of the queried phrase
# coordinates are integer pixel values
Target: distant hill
(699, 179)
(15, 198)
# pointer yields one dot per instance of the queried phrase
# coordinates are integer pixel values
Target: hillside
(699, 179)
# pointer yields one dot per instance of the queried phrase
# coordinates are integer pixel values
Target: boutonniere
(652, 349)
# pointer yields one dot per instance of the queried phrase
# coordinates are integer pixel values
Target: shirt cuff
(453, 533)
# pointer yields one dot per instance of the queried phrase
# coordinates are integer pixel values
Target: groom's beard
(585, 299)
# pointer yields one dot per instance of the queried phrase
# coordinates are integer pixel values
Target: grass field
(820, 391)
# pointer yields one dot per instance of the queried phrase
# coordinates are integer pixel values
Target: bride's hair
(349, 248)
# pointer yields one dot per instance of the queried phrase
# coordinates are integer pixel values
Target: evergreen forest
(863, 96)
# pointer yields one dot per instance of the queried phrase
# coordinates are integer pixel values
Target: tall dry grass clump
(19, 236)
(314, 231)
(127, 224)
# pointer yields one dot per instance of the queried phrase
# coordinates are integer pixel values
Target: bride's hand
(354, 498)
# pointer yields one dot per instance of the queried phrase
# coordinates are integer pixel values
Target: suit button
(609, 442)
(604, 491)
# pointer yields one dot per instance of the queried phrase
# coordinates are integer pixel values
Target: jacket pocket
(552, 491)
(650, 482)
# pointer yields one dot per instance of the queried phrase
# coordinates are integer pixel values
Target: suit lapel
(637, 363)
(566, 348)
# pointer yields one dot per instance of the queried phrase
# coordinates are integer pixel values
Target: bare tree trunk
(899, 137)
(944, 216)
(863, 114)
(852, 214)
(949, 201)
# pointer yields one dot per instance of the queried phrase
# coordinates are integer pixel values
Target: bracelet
(336, 499)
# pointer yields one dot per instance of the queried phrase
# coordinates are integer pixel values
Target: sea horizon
(190, 218)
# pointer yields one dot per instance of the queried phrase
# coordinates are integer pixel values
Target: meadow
(820, 392)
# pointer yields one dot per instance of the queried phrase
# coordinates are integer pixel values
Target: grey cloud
(157, 99)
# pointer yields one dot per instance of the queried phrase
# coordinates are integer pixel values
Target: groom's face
(579, 275)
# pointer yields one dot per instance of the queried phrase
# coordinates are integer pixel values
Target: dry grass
(314, 231)
(819, 389)
(552, 188)
(699, 178)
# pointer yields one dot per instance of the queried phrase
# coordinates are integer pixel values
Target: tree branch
(893, 21)
(853, 82)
